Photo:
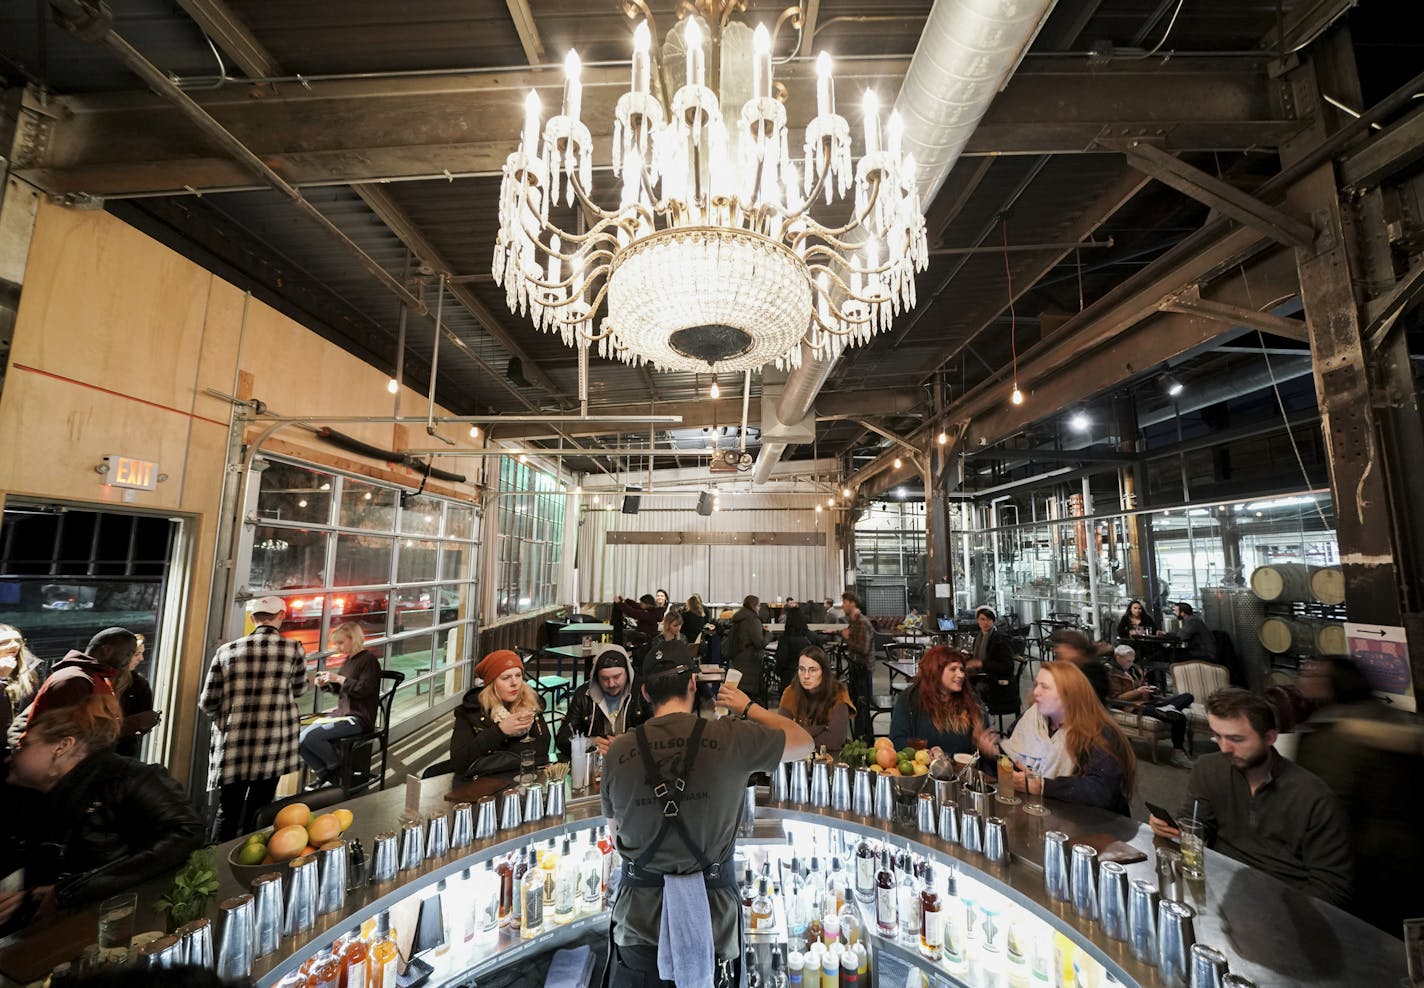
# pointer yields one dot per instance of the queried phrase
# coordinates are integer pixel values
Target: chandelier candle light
(713, 258)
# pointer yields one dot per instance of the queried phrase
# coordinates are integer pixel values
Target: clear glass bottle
(591, 877)
(566, 885)
(837, 886)
(885, 898)
(907, 901)
(865, 871)
(531, 919)
(385, 955)
(761, 912)
(931, 919)
(326, 972)
(955, 933)
(490, 908)
(549, 864)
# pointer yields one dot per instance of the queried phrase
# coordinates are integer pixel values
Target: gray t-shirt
(711, 806)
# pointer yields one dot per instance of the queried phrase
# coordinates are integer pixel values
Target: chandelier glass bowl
(716, 257)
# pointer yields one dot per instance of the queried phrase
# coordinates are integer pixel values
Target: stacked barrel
(1289, 583)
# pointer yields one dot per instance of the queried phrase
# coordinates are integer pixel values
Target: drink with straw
(1193, 849)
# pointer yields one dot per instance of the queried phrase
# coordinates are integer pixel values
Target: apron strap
(668, 793)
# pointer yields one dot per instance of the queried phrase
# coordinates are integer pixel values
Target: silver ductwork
(967, 52)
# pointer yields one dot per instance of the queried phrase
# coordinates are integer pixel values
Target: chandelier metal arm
(815, 193)
(820, 250)
(867, 299)
(831, 235)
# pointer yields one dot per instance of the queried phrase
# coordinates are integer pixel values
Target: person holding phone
(1128, 685)
(498, 722)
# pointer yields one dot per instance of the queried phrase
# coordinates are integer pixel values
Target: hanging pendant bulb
(943, 437)
(1017, 397)
(898, 464)
(392, 385)
(714, 391)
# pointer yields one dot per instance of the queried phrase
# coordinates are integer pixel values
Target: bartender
(672, 793)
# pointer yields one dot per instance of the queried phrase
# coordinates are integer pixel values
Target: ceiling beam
(466, 124)
(1276, 223)
(1190, 302)
(233, 38)
(528, 31)
(809, 16)
(1401, 144)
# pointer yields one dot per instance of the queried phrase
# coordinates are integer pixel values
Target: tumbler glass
(1033, 795)
(116, 926)
(1193, 849)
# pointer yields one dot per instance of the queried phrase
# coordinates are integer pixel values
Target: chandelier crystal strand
(714, 258)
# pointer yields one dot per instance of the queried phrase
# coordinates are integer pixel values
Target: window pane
(415, 608)
(455, 561)
(367, 608)
(368, 506)
(460, 521)
(287, 558)
(416, 561)
(454, 603)
(362, 560)
(420, 516)
(294, 494)
(412, 699)
(303, 622)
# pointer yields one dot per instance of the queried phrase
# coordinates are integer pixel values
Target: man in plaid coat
(251, 695)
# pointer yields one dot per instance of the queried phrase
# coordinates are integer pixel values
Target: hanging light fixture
(1171, 386)
(718, 253)
(1016, 396)
(714, 391)
(898, 464)
(392, 386)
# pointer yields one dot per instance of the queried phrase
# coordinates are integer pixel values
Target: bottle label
(356, 975)
(533, 917)
(865, 877)
(885, 910)
(933, 932)
(388, 972)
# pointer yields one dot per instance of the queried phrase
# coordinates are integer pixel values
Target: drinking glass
(1193, 849)
(116, 926)
(1006, 781)
(526, 763)
(1033, 801)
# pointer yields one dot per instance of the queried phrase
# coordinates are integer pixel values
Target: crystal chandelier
(713, 258)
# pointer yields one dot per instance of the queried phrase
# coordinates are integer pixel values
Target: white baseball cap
(266, 605)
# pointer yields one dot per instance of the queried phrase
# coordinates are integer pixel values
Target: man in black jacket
(605, 706)
(994, 656)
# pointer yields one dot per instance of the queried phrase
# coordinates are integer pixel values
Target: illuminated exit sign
(125, 471)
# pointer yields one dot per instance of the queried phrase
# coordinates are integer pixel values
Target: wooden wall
(115, 341)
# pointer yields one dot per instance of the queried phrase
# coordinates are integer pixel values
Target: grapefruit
(892, 770)
(324, 828)
(287, 842)
(885, 757)
(293, 815)
(345, 816)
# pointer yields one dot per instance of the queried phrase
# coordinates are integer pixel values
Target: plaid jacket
(250, 695)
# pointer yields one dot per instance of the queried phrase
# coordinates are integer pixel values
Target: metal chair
(358, 751)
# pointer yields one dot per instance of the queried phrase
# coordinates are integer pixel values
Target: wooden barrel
(1282, 635)
(1281, 581)
(1330, 639)
(1327, 584)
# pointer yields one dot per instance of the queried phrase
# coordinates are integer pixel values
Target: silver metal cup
(996, 842)
(1084, 881)
(1055, 865)
(1208, 966)
(166, 951)
(554, 799)
(462, 828)
(780, 784)
(1142, 899)
(1175, 936)
(798, 788)
(267, 908)
(949, 822)
(331, 886)
(437, 836)
(840, 787)
(385, 857)
(971, 831)
(510, 811)
(533, 801)
(300, 913)
(1112, 899)
(412, 844)
(1170, 885)
(234, 959)
(861, 801)
(486, 818)
(197, 941)
(925, 820)
(981, 801)
(1230, 980)
(820, 785)
(883, 801)
(946, 791)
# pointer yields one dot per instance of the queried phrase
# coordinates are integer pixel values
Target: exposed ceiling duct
(966, 54)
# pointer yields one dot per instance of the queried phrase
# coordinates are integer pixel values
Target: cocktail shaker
(1175, 936)
(1055, 865)
(1142, 897)
(437, 836)
(925, 820)
(971, 831)
(946, 791)
(331, 886)
(510, 811)
(1208, 966)
(1112, 899)
(533, 801)
(780, 784)
(462, 829)
(197, 942)
(554, 799)
(1169, 875)
(996, 843)
(412, 844)
(840, 787)
(861, 801)
(980, 796)
(301, 895)
(797, 786)
(166, 951)
(267, 908)
(486, 818)
(884, 798)
(385, 857)
(357, 872)
(1084, 881)
(949, 822)
(234, 958)
(820, 784)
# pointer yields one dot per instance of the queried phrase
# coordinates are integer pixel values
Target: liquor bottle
(816, 882)
(777, 978)
(523, 864)
(605, 847)
(850, 925)
(955, 934)
(355, 961)
(504, 868)
(531, 920)
(591, 877)
(491, 911)
(793, 897)
(385, 955)
(760, 915)
(865, 871)
(837, 885)
(814, 931)
(907, 902)
(885, 897)
(326, 972)
(931, 919)
(566, 885)
(548, 864)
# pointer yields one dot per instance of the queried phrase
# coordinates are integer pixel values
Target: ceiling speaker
(704, 503)
(632, 501)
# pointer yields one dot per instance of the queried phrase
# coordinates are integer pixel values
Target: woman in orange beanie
(498, 721)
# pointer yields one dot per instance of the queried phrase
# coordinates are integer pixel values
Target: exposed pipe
(965, 55)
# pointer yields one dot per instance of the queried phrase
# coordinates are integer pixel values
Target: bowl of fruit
(908, 766)
(296, 831)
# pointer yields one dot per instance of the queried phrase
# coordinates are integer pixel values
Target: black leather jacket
(109, 825)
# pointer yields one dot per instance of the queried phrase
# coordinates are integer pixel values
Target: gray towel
(571, 967)
(685, 953)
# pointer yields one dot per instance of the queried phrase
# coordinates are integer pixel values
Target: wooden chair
(1137, 723)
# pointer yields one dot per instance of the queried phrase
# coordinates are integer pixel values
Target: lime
(251, 854)
(258, 838)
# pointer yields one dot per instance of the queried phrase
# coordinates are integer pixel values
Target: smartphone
(1162, 815)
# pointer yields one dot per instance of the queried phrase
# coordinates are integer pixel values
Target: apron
(638, 874)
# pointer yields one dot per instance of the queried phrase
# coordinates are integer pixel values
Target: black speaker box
(631, 503)
(704, 503)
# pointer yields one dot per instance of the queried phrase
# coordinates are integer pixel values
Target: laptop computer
(946, 624)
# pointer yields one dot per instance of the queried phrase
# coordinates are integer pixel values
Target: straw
(1196, 806)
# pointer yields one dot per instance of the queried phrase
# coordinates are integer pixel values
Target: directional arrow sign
(1382, 653)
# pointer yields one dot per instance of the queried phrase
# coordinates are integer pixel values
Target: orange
(287, 842)
(294, 815)
(892, 771)
(324, 828)
(345, 816)
(885, 757)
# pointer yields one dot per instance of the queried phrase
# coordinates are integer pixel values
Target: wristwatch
(748, 708)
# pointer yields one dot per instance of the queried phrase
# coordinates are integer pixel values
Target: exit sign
(125, 471)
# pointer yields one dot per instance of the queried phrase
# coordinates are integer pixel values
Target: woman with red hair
(1070, 740)
(941, 710)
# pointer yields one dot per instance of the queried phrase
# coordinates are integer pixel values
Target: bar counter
(1269, 933)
